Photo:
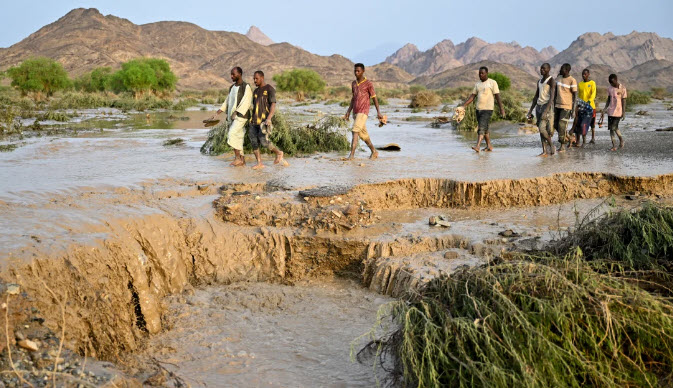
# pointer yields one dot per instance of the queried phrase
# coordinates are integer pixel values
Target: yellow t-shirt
(485, 92)
(587, 92)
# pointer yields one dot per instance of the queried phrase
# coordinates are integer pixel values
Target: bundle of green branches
(325, 135)
(531, 322)
(638, 240)
(512, 103)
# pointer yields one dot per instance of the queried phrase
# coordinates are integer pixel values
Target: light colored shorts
(236, 133)
(360, 126)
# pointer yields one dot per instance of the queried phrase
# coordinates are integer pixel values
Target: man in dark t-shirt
(263, 109)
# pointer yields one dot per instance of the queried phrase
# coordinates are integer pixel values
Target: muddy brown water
(135, 223)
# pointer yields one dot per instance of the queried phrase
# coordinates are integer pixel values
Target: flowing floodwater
(270, 335)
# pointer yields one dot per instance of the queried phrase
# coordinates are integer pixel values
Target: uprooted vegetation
(512, 103)
(326, 135)
(550, 320)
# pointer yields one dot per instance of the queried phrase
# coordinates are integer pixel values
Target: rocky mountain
(256, 35)
(84, 39)
(468, 75)
(651, 74)
(445, 55)
(620, 52)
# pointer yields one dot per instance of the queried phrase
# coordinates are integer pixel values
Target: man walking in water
(363, 91)
(237, 109)
(263, 109)
(485, 91)
(615, 106)
(587, 92)
(546, 87)
(564, 103)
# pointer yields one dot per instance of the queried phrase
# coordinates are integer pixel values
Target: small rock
(351, 210)
(13, 289)
(361, 164)
(331, 202)
(509, 233)
(28, 345)
(433, 220)
(19, 336)
(451, 255)
(257, 198)
(443, 223)
(337, 213)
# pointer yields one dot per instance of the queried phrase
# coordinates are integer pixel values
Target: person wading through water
(544, 111)
(263, 109)
(564, 104)
(485, 91)
(237, 109)
(363, 91)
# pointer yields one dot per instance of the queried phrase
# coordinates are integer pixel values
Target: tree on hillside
(299, 81)
(39, 76)
(502, 80)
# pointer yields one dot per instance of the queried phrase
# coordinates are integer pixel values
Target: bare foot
(374, 155)
(348, 158)
(284, 163)
(561, 149)
(544, 155)
(279, 157)
(621, 145)
(238, 163)
(476, 149)
(488, 149)
(592, 141)
(613, 149)
(258, 166)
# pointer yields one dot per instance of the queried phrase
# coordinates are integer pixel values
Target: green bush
(39, 76)
(424, 98)
(185, 103)
(502, 80)
(638, 98)
(413, 89)
(97, 80)
(299, 81)
(660, 93)
(145, 75)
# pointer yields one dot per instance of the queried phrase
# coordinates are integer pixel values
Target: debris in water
(390, 147)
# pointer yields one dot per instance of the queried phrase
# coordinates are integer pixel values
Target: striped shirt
(564, 92)
(362, 92)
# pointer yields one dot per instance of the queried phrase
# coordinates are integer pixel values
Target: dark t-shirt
(262, 98)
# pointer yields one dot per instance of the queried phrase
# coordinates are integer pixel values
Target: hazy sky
(368, 31)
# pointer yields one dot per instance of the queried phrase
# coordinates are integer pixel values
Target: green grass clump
(638, 240)
(7, 147)
(326, 135)
(55, 116)
(530, 322)
(79, 100)
(185, 103)
(638, 98)
(173, 142)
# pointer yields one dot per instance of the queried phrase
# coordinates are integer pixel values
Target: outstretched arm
(469, 100)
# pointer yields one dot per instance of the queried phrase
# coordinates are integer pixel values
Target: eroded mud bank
(115, 285)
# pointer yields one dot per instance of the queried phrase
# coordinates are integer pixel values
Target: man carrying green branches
(237, 109)
(363, 91)
(263, 109)
(484, 91)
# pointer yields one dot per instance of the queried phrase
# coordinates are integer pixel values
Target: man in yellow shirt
(485, 91)
(587, 92)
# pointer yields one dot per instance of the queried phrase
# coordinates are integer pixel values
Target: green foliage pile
(511, 101)
(425, 98)
(299, 81)
(413, 89)
(502, 80)
(173, 142)
(9, 123)
(532, 322)
(637, 240)
(39, 76)
(326, 135)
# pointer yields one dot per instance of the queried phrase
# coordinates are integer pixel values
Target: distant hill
(256, 35)
(620, 52)
(84, 39)
(468, 75)
(445, 55)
